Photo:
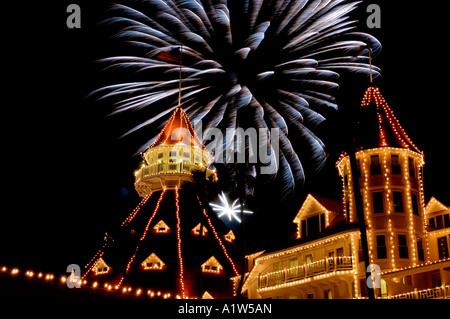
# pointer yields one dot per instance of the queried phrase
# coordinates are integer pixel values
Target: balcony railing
(442, 292)
(169, 168)
(321, 267)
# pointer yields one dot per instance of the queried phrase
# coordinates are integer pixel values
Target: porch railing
(320, 267)
(441, 292)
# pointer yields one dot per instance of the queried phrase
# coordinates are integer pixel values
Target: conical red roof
(178, 129)
(389, 133)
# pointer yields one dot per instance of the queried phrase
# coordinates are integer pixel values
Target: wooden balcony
(155, 177)
(323, 267)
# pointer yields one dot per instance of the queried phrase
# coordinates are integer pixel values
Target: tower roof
(378, 127)
(178, 129)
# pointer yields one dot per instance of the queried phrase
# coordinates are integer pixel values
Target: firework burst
(261, 63)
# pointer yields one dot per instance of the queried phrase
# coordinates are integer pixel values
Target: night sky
(68, 178)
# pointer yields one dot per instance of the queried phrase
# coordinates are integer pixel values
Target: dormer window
(229, 237)
(212, 266)
(161, 227)
(316, 214)
(101, 267)
(153, 262)
(313, 225)
(196, 230)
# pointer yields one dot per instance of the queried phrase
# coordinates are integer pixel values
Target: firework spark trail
(249, 63)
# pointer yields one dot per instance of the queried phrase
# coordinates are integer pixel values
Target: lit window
(293, 267)
(383, 288)
(212, 266)
(153, 262)
(101, 267)
(229, 237)
(161, 227)
(196, 230)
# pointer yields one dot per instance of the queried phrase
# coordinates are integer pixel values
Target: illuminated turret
(171, 159)
(158, 246)
(389, 172)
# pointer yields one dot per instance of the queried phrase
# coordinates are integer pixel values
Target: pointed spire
(179, 86)
(178, 129)
(389, 133)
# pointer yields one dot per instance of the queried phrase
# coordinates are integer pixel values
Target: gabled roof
(161, 225)
(178, 129)
(378, 127)
(207, 295)
(100, 266)
(196, 229)
(434, 206)
(315, 203)
(153, 259)
(230, 236)
(212, 262)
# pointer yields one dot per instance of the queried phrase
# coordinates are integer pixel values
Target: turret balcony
(154, 177)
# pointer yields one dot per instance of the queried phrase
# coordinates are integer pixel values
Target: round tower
(172, 243)
(389, 169)
(173, 157)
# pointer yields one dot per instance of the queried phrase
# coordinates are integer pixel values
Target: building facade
(408, 241)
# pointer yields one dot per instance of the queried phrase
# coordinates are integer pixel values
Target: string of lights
(178, 229)
(137, 209)
(224, 249)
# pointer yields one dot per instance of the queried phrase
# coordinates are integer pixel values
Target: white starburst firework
(230, 211)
